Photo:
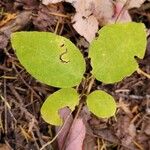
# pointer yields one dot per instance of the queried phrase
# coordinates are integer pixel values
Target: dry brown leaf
(61, 139)
(88, 15)
(76, 135)
(86, 27)
(92, 13)
(73, 133)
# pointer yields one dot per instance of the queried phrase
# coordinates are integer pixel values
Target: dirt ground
(21, 125)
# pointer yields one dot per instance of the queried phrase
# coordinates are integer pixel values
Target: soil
(21, 125)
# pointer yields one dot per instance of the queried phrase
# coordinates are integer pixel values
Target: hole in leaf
(63, 57)
(62, 45)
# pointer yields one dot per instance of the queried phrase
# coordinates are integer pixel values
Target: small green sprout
(56, 61)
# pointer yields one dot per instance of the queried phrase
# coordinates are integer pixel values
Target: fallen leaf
(86, 27)
(88, 15)
(76, 135)
(72, 134)
(92, 13)
(64, 113)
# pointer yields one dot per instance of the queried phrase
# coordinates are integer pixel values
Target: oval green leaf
(112, 53)
(52, 59)
(60, 99)
(101, 104)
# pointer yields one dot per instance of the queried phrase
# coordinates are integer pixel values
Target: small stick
(138, 145)
(5, 68)
(9, 108)
(14, 67)
(90, 85)
(15, 93)
(59, 15)
(57, 26)
(8, 77)
(139, 71)
(5, 107)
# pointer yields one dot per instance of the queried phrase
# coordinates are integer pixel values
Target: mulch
(21, 125)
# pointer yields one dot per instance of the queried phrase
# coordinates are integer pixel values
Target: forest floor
(21, 125)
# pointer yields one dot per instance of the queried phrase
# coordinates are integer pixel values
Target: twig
(59, 15)
(98, 144)
(103, 145)
(14, 67)
(139, 71)
(25, 134)
(39, 137)
(9, 108)
(90, 85)
(57, 25)
(8, 77)
(26, 83)
(24, 110)
(8, 145)
(4, 86)
(138, 145)
(15, 93)
(35, 141)
(5, 68)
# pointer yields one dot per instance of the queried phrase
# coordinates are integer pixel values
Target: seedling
(56, 61)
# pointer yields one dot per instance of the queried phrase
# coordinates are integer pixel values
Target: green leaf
(101, 104)
(52, 59)
(112, 53)
(60, 99)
